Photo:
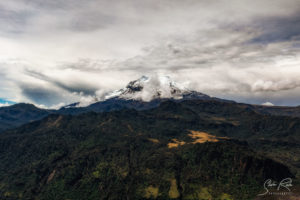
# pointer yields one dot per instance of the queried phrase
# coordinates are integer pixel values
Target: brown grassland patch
(201, 137)
(153, 140)
(175, 143)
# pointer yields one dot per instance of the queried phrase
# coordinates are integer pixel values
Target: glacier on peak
(148, 88)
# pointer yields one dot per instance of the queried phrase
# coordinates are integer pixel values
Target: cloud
(63, 51)
(278, 28)
(4, 104)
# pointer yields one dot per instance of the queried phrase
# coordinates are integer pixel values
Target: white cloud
(4, 104)
(71, 50)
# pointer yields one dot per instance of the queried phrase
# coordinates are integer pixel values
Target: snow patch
(267, 104)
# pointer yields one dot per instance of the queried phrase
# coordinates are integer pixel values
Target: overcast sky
(54, 52)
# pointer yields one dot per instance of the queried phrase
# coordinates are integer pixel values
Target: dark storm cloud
(41, 95)
(72, 87)
(278, 28)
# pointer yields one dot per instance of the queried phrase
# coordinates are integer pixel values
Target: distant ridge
(141, 94)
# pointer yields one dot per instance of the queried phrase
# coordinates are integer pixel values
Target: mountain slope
(278, 110)
(18, 114)
(142, 94)
(158, 153)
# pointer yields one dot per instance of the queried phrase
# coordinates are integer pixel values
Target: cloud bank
(62, 51)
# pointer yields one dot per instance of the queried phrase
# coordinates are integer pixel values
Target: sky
(55, 52)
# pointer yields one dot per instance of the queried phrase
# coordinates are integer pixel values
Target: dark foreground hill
(19, 114)
(187, 150)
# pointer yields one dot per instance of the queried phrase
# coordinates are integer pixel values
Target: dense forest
(178, 150)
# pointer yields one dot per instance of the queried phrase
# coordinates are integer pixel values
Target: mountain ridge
(131, 97)
(126, 153)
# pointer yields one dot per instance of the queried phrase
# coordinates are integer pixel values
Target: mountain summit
(149, 88)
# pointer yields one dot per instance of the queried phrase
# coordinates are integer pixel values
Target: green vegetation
(110, 156)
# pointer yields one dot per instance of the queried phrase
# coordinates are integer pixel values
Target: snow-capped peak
(149, 88)
(146, 89)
